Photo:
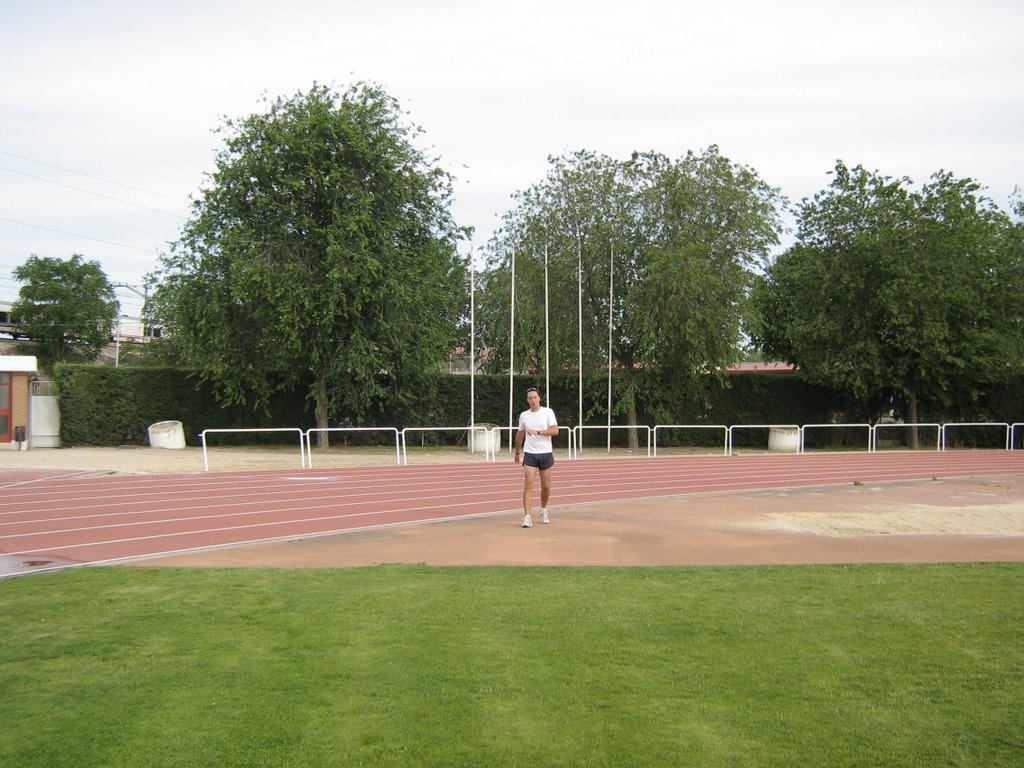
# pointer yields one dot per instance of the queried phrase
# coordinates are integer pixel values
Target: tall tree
(67, 306)
(896, 295)
(672, 241)
(706, 225)
(576, 217)
(320, 257)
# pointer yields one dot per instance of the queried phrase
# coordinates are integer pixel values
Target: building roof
(18, 364)
(761, 367)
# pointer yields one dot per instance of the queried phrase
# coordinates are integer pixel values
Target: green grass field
(875, 665)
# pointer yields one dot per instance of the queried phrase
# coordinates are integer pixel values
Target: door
(5, 407)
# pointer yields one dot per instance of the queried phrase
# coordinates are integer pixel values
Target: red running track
(51, 519)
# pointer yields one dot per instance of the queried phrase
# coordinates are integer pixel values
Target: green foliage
(321, 255)
(108, 406)
(101, 405)
(398, 666)
(671, 244)
(66, 306)
(897, 296)
(163, 351)
(574, 217)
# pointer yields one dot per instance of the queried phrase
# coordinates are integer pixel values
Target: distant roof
(18, 364)
(761, 367)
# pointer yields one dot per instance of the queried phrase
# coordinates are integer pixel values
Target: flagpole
(547, 337)
(611, 293)
(579, 307)
(472, 343)
(511, 350)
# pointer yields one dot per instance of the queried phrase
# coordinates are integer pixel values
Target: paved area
(964, 520)
(935, 520)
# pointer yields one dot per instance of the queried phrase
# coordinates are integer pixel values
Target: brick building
(16, 374)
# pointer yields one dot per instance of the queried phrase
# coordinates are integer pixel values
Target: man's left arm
(552, 428)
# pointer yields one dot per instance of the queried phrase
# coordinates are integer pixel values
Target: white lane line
(628, 477)
(250, 526)
(399, 506)
(596, 489)
(748, 484)
(639, 484)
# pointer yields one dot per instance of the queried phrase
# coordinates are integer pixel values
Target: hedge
(100, 405)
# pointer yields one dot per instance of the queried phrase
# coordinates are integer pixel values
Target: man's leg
(528, 473)
(545, 487)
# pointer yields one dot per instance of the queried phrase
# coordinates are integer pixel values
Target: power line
(84, 237)
(97, 178)
(90, 192)
(102, 98)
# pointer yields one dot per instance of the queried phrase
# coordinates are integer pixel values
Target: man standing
(536, 428)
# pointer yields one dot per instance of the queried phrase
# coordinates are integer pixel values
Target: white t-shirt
(542, 418)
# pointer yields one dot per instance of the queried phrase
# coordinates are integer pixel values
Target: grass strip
(918, 665)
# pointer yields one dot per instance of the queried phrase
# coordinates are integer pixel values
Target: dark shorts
(539, 460)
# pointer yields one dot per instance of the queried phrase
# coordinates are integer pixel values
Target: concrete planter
(167, 434)
(784, 439)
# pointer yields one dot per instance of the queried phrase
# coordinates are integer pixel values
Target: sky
(109, 109)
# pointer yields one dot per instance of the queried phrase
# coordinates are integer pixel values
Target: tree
(675, 240)
(67, 306)
(896, 296)
(320, 257)
(577, 217)
(706, 225)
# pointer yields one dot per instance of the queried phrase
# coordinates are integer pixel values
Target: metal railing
(578, 429)
(945, 427)
(309, 433)
(908, 425)
(725, 433)
(489, 448)
(769, 427)
(805, 427)
(568, 431)
(654, 435)
(302, 444)
(1013, 429)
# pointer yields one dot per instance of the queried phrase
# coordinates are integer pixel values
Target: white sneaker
(527, 521)
(544, 517)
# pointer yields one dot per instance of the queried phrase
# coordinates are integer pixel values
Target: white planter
(484, 438)
(167, 434)
(784, 439)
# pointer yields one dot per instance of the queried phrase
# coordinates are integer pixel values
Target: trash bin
(19, 438)
(167, 434)
(484, 438)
